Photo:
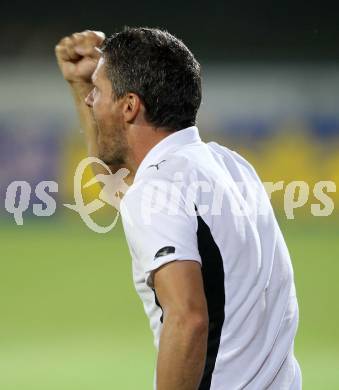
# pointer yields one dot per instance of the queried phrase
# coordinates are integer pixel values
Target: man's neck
(142, 139)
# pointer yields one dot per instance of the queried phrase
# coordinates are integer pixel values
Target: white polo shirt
(203, 202)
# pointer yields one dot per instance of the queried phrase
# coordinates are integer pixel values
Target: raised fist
(78, 55)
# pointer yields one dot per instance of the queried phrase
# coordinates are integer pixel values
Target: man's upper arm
(157, 236)
(180, 289)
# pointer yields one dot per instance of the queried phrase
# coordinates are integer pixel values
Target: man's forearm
(182, 353)
(80, 91)
(88, 124)
(78, 57)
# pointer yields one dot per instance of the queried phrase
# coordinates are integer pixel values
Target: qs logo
(113, 186)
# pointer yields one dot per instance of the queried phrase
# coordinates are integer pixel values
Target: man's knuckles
(82, 43)
(95, 36)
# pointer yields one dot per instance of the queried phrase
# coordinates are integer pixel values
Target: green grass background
(70, 318)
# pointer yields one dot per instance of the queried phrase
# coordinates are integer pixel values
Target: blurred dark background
(220, 30)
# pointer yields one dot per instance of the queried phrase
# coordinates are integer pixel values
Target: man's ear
(131, 107)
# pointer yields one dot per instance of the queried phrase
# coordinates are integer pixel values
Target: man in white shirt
(209, 261)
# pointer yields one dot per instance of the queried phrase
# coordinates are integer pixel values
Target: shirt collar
(172, 142)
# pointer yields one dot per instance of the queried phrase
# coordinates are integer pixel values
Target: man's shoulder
(188, 163)
(159, 179)
(166, 170)
(166, 166)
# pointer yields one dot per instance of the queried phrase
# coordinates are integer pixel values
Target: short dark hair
(160, 69)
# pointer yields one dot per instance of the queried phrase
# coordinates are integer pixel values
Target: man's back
(203, 202)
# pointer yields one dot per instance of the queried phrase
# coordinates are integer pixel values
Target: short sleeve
(158, 226)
